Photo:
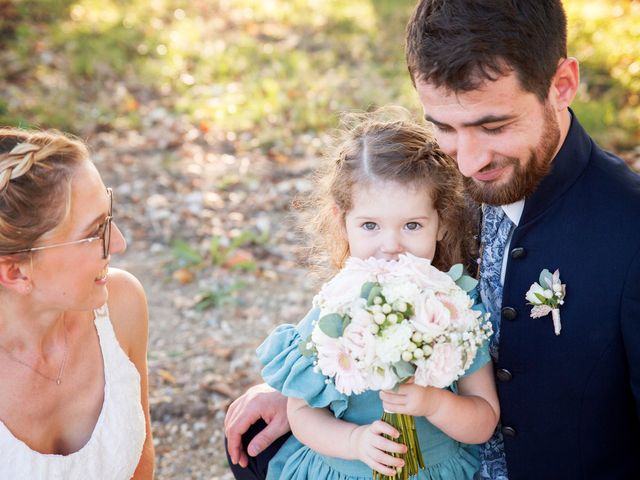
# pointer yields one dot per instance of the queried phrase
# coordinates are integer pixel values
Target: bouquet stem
(413, 461)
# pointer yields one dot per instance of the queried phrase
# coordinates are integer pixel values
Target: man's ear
(565, 83)
(14, 274)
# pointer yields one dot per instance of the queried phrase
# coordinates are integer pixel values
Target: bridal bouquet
(383, 322)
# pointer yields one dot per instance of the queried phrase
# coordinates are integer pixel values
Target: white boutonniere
(546, 296)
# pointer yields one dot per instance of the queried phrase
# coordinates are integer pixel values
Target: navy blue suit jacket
(571, 403)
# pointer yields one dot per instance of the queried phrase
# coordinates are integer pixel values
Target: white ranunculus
(400, 291)
(394, 340)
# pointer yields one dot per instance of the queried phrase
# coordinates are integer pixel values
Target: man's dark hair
(459, 44)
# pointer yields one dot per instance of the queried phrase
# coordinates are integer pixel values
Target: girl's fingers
(378, 456)
(379, 427)
(386, 445)
(384, 470)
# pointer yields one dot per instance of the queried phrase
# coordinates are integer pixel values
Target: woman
(73, 332)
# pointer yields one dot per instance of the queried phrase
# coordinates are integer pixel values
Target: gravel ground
(173, 182)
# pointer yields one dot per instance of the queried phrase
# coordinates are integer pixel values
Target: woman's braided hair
(35, 174)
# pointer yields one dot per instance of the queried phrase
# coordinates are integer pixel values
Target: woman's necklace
(58, 379)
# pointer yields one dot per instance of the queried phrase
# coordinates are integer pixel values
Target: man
(495, 80)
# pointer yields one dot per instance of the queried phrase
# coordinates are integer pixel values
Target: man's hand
(260, 401)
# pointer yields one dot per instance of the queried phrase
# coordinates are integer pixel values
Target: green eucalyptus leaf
(403, 369)
(366, 289)
(331, 325)
(375, 291)
(467, 283)
(546, 279)
(346, 320)
(455, 272)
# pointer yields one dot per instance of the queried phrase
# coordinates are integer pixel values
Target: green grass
(271, 68)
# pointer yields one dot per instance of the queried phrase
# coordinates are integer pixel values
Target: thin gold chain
(58, 379)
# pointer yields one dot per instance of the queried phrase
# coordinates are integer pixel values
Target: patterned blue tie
(496, 228)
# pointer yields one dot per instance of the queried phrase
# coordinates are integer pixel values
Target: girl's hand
(371, 447)
(412, 399)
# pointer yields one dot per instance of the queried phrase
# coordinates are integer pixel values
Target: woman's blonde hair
(384, 145)
(35, 174)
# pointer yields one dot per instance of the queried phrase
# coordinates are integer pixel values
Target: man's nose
(471, 154)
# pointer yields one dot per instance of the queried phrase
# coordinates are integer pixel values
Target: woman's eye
(413, 226)
(369, 225)
(98, 231)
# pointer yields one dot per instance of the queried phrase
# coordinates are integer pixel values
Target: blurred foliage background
(268, 69)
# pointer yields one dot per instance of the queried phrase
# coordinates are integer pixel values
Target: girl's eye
(369, 225)
(413, 226)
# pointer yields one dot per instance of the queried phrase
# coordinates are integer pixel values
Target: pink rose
(420, 271)
(431, 317)
(442, 368)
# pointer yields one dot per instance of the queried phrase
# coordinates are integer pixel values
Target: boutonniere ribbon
(547, 295)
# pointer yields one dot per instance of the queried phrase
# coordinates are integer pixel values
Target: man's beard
(524, 179)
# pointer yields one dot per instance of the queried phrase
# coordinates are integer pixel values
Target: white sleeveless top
(115, 446)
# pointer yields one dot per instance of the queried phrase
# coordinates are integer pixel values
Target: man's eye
(443, 128)
(369, 225)
(493, 130)
(413, 226)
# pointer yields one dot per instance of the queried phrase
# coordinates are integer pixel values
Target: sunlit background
(271, 69)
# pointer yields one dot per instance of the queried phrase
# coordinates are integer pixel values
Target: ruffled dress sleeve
(482, 356)
(287, 370)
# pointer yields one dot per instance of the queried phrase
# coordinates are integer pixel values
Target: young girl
(387, 190)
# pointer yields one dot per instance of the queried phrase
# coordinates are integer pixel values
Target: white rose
(341, 290)
(381, 377)
(531, 294)
(420, 271)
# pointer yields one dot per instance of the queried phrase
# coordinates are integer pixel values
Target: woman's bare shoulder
(128, 309)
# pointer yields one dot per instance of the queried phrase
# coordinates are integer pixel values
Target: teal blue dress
(288, 371)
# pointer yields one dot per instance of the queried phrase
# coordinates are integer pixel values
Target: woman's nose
(118, 243)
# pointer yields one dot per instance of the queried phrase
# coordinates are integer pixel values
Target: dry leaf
(183, 276)
(167, 377)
